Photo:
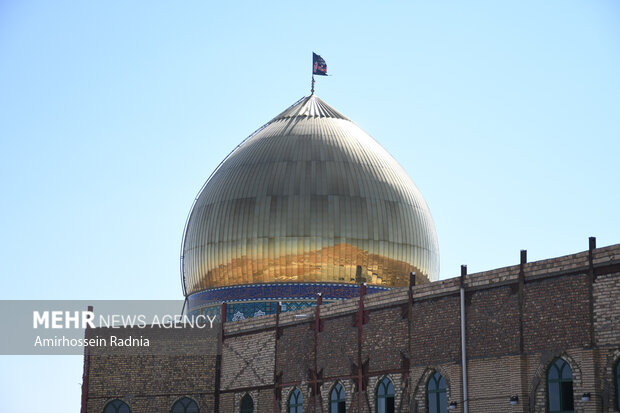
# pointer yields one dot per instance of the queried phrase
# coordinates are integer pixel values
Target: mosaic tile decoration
(279, 291)
(241, 311)
(255, 300)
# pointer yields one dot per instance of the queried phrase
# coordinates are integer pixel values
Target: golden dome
(310, 197)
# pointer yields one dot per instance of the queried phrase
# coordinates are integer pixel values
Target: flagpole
(312, 88)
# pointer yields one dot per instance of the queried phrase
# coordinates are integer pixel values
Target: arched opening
(247, 404)
(436, 397)
(385, 396)
(337, 399)
(295, 402)
(116, 406)
(560, 387)
(185, 405)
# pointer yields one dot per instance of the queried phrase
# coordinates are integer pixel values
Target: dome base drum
(245, 301)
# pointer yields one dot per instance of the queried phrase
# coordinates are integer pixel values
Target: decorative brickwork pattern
(247, 360)
(492, 322)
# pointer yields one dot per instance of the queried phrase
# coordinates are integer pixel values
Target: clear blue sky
(112, 114)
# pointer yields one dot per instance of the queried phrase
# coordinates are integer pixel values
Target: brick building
(320, 256)
(521, 323)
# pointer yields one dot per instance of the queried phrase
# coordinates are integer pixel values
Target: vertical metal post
(598, 393)
(86, 368)
(521, 297)
(218, 360)
(409, 341)
(591, 279)
(317, 329)
(523, 394)
(463, 340)
(223, 316)
(276, 379)
(360, 369)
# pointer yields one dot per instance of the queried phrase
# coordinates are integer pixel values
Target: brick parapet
(607, 309)
(607, 254)
(534, 270)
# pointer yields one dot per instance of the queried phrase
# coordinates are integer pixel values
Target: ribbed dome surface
(309, 198)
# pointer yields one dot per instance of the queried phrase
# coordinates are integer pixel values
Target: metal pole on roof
(463, 340)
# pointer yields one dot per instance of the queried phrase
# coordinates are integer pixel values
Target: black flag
(319, 67)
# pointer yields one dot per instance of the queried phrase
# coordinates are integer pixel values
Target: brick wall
(607, 309)
(492, 322)
(560, 310)
(337, 346)
(556, 313)
(295, 352)
(436, 330)
(248, 360)
(385, 338)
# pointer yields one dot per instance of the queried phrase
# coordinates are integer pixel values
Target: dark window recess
(385, 396)
(560, 387)
(247, 404)
(436, 398)
(295, 402)
(116, 406)
(185, 405)
(337, 399)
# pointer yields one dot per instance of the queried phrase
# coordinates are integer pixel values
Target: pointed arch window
(247, 404)
(185, 405)
(436, 397)
(385, 396)
(116, 406)
(337, 399)
(295, 402)
(560, 387)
